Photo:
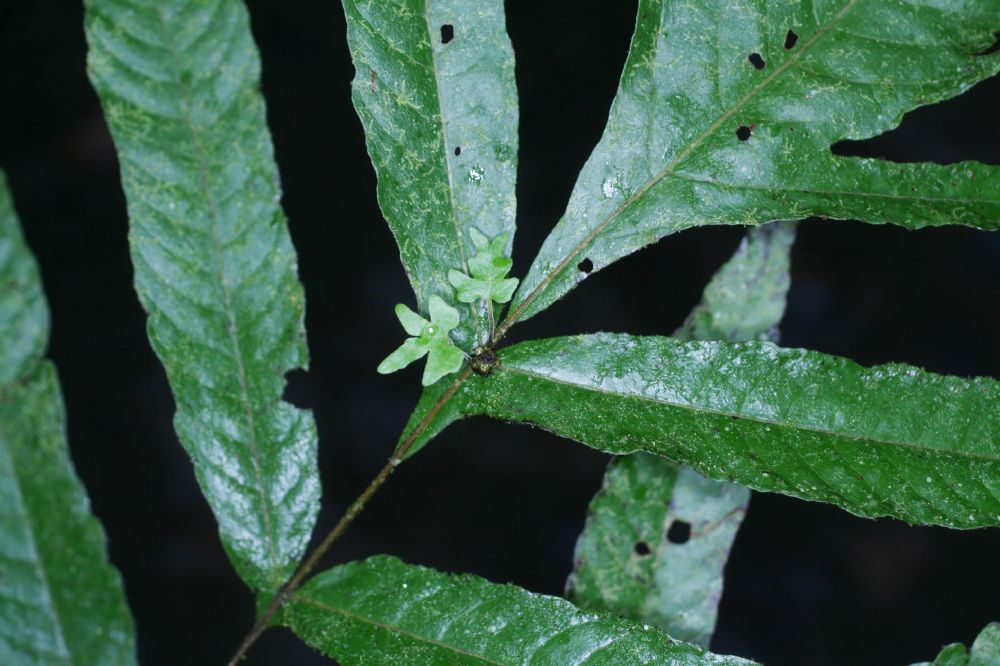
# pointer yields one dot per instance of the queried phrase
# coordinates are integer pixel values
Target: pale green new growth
(430, 338)
(985, 651)
(440, 119)
(489, 268)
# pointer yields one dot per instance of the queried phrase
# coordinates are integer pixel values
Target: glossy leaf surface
(214, 264)
(658, 534)
(698, 135)
(890, 440)
(61, 602)
(434, 87)
(383, 611)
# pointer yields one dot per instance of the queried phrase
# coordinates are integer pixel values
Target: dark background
(807, 583)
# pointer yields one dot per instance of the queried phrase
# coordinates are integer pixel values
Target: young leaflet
(430, 338)
(489, 282)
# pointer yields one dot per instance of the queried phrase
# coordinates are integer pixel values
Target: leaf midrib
(746, 417)
(201, 156)
(453, 212)
(453, 206)
(683, 154)
(696, 178)
(396, 629)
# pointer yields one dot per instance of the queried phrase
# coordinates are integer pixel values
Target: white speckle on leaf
(609, 187)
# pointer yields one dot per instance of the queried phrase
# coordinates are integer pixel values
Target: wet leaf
(699, 135)
(61, 602)
(383, 611)
(214, 264)
(658, 534)
(891, 440)
(434, 87)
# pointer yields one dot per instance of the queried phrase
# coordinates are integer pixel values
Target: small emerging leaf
(384, 611)
(412, 323)
(489, 268)
(954, 654)
(985, 651)
(431, 338)
(986, 648)
(24, 323)
(440, 119)
(444, 359)
(412, 349)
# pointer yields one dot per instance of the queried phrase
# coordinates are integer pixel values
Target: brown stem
(356, 507)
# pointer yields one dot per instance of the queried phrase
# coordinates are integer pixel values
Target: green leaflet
(430, 338)
(891, 440)
(383, 611)
(434, 87)
(488, 270)
(24, 324)
(954, 654)
(745, 300)
(60, 600)
(624, 561)
(985, 651)
(214, 264)
(672, 157)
